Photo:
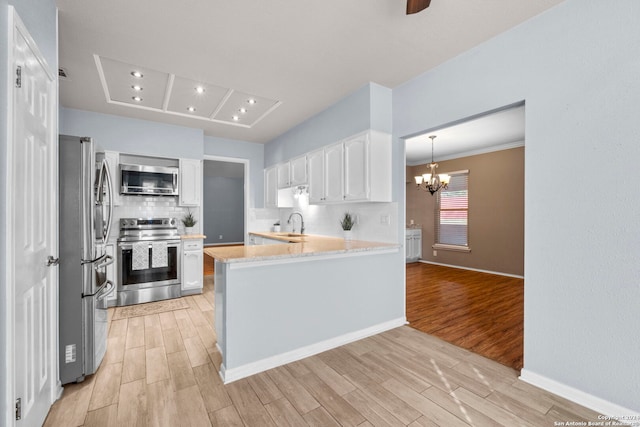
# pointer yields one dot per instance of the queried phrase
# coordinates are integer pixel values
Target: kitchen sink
(289, 234)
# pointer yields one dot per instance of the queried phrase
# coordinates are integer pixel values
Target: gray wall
(250, 151)
(222, 208)
(577, 68)
(39, 16)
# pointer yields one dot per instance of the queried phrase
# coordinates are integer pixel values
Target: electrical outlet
(435, 253)
(220, 237)
(385, 219)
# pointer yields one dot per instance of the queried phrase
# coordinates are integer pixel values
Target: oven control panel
(147, 223)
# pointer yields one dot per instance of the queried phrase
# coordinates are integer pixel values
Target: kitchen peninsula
(276, 303)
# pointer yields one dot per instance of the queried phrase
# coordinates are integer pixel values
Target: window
(452, 209)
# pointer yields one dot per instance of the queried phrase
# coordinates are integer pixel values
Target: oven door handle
(128, 246)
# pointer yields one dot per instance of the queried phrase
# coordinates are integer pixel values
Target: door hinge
(18, 76)
(18, 408)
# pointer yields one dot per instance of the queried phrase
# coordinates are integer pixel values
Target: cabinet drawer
(192, 245)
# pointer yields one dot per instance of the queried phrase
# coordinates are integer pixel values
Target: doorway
(225, 200)
(472, 232)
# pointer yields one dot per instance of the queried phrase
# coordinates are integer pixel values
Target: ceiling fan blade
(415, 6)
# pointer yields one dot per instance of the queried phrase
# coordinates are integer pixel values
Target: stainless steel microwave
(148, 180)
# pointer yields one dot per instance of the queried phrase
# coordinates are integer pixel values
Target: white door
(33, 204)
(190, 182)
(299, 171)
(316, 176)
(334, 170)
(356, 168)
(271, 187)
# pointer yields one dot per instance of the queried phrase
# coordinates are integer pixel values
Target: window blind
(452, 212)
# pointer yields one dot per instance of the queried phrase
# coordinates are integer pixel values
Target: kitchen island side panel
(275, 308)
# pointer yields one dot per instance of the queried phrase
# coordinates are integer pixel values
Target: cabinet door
(417, 244)
(333, 173)
(190, 182)
(284, 172)
(113, 159)
(356, 168)
(299, 171)
(271, 187)
(192, 270)
(316, 176)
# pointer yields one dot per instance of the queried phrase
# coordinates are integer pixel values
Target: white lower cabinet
(112, 274)
(413, 244)
(192, 259)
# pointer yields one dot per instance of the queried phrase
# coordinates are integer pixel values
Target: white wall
(367, 108)
(133, 136)
(577, 68)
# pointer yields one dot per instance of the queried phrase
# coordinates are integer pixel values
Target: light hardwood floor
(161, 370)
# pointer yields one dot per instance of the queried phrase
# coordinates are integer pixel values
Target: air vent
(62, 74)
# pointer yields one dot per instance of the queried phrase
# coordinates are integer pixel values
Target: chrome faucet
(301, 221)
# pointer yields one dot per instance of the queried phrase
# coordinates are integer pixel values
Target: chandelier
(432, 182)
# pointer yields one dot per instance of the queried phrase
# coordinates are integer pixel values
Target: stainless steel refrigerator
(85, 223)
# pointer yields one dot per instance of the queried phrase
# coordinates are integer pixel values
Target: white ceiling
(305, 54)
(496, 131)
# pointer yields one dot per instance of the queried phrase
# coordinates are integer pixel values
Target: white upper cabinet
(298, 171)
(271, 187)
(190, 182)
(292, 173)
(316, 176)
(367, 165)
(334, 173)
(356, 168)
(284, 175)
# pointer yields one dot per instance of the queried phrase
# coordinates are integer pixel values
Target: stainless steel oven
(148, 260)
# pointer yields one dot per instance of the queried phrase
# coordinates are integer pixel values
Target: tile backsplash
(150, 207)
(375, 221)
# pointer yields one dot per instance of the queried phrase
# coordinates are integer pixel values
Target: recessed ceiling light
(137, 74)
(191, 109)
(235, 118)
(136, 98)
(243, 110)
(200, 89)
(136, 88)
(251, 101)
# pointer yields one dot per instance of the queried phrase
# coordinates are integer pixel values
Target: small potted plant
(189, 222)
(347, 222)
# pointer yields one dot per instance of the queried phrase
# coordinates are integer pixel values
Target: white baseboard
(590, 401)
(234, 374)
(472, 269)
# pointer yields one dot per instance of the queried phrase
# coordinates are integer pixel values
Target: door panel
(32, 176)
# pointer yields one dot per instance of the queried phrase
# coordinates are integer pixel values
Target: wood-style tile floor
(161, 370)
(481, 312)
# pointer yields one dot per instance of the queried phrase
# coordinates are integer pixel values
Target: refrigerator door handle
(106, 260)
(105, 167)
(106, 288)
